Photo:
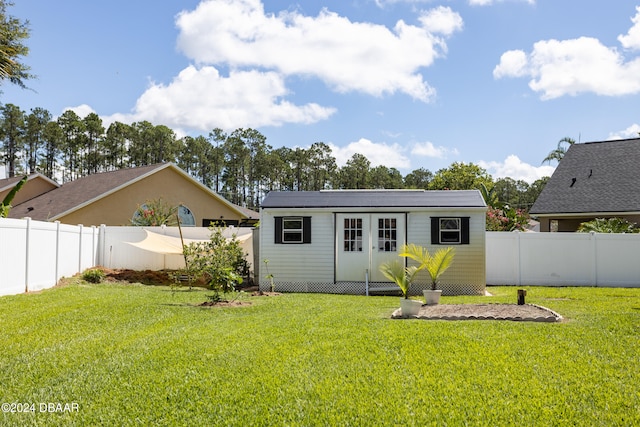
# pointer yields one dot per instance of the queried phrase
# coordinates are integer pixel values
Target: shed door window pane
(450, 230)
(387, 235)
(292, 230)
(353, 234)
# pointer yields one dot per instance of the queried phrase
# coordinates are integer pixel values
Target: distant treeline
(239, 165)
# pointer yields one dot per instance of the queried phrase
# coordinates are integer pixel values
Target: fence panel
(618, 260)
(40, 266)
(563, 259)
(34, 255)
(13, 248)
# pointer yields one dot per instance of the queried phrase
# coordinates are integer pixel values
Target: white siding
(468, 270)
(310, 267)
(298, 263)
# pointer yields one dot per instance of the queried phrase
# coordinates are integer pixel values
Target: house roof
(594, 177)
(374, 199)
(9, 183)
(81, 192)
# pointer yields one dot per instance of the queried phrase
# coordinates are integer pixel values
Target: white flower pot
(409, 307)
(432, 297)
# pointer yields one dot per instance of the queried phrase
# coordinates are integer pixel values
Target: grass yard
(120, 354)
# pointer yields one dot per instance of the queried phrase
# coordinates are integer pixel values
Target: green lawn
(142, 355)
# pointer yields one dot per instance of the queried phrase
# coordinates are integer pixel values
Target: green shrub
(93, 275)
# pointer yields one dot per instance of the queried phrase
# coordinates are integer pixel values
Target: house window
(353, 234)
(449, 230)
(387, 235)
(186, 216)
(292, 229)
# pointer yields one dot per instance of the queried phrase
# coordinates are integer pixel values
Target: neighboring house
(112, 198)
(36, 184)
(593, 180)
(335, 241)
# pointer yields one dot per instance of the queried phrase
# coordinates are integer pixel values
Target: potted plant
(402, 276)
(435, 265)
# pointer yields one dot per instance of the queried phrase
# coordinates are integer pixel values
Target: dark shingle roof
(373, 199)
(594, 177)
(76, 193)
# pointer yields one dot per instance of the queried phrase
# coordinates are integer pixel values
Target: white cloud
(571, 67)
(82, 110)
(514, 168)
(378, 153)
(200, 98)
(427, 149)
(347, 56)
(631, 40)
(632, 131)
(492, 2)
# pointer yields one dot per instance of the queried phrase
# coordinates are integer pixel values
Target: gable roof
(594, 177)
(81, 192)
(9, 183)
(374, 199)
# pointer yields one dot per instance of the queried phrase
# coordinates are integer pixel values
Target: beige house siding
(35, 186)
(173, 187)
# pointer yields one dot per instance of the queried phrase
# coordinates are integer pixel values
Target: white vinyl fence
(563, 259)
(34, 255)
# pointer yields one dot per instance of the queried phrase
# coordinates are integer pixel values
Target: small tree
(219, 262)
(155, 213)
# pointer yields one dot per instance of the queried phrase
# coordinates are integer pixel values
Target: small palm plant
(435, 264)
(400, 275)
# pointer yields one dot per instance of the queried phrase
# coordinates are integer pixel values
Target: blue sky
(408, 83)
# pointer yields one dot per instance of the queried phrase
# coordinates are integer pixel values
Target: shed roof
(594, 177)
(374, 199)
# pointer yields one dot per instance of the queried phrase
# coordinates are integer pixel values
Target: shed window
(293, 229)
(387, 235)
(449, 230)
(353, 234)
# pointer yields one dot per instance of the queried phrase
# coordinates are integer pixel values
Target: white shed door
(364, 241)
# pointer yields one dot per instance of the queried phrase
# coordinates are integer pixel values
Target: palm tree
(435, 264)
(558, 153)
(400, 275)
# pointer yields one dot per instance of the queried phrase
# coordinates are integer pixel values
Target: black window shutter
(465, 230)
(306, 229)
(278, 234)
(435, 230)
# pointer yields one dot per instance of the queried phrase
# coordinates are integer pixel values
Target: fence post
(26, 257)
(57, 252)
(80, 248)
(594, 258)
(519, 255)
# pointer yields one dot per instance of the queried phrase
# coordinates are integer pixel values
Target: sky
(408, 83)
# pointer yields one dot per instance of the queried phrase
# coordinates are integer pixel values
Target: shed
(334, 241)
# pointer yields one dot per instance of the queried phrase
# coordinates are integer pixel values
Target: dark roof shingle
(373, 199)
(594, 177)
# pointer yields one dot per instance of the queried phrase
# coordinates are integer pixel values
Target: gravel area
(526, 312)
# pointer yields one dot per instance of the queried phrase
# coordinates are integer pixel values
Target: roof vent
(573, 181)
